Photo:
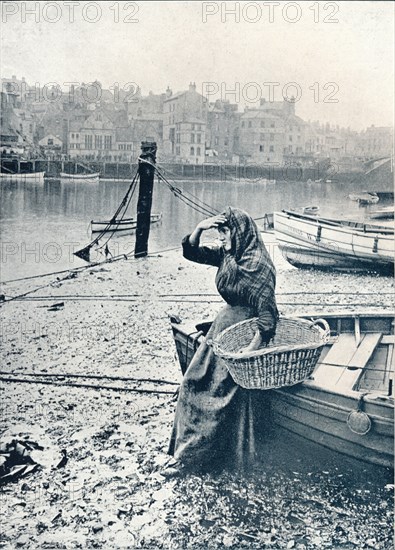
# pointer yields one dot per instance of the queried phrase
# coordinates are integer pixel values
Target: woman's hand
(210, 223)
(254, 344)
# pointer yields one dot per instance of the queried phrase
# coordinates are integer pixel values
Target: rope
(195, 203)
(84, 252)
(89, 386)
(89, 376)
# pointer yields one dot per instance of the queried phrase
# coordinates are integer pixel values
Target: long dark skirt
(217, 423)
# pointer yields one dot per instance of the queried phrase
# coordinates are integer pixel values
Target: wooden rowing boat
(127, 224)
(34, 177)
(348, 404)
(93, 177)
(310, 241)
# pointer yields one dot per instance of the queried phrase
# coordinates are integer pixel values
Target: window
(178, 137)
(71, 145)
(261, 149)
(198, 151)
(192, 152)
(271, 149)
(98, 142)
(250, 124)
(290, 138)
(226, 142)
(199, 138)
(177, 150)
(262, 136)
(262, 123)
(77, 145)
(271, 137)
(88, 142)
(107, 142)
(216, 141)
(50, 141)
(77, 136)
(242, 124)
(272, 125)
(192, 138)
(98, 117)
(193, 126)
(72, 136)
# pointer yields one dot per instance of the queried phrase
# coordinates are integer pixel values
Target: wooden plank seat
(345, 361)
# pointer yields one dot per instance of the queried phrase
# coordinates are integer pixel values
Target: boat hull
(319, 412)
(382, 213)
(321, 415)
(33, 177)
(90, 178)
(307, 242)
(122, 226)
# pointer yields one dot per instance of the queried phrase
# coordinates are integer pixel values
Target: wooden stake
(146, 173)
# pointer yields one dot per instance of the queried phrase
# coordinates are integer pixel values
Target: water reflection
(42, 225)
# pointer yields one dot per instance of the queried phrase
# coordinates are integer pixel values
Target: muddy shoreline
(109, 494)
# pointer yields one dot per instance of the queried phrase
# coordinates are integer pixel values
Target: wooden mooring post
(146, 173)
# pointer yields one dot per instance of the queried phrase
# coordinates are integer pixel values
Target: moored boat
(365, 197)
(34, 177)
(312, 210)
(93, 177)
(311, 241)
(348, 404)
(126, 224)
(384, 213)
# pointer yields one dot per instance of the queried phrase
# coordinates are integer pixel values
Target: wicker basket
(289, 358)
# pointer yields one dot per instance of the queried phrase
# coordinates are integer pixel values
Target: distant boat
(310, 241)
(384, 213)
(365, 197)
(94, 176)
(33, 177)
(347, 405)
(312, 210)
(117, 226)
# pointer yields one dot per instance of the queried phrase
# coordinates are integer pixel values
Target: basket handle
(327, 329)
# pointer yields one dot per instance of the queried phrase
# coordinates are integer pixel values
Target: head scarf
(247, 270)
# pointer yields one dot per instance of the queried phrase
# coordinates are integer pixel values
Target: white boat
(127, 224)
(93, 177)
(348, 403)
(34, 177)
(365, 197)
(312, 210)
(310, 241)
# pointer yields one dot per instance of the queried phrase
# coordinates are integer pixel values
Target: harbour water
(42, 225)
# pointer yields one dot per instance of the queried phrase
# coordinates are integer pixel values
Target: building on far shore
(377, 142)
(184, 126)
(94, 123)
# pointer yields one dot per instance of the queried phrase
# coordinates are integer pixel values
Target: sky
(338, 55)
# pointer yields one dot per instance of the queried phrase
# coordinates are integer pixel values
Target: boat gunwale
(361, 229)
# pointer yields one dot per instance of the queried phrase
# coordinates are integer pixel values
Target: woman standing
(216, 420)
